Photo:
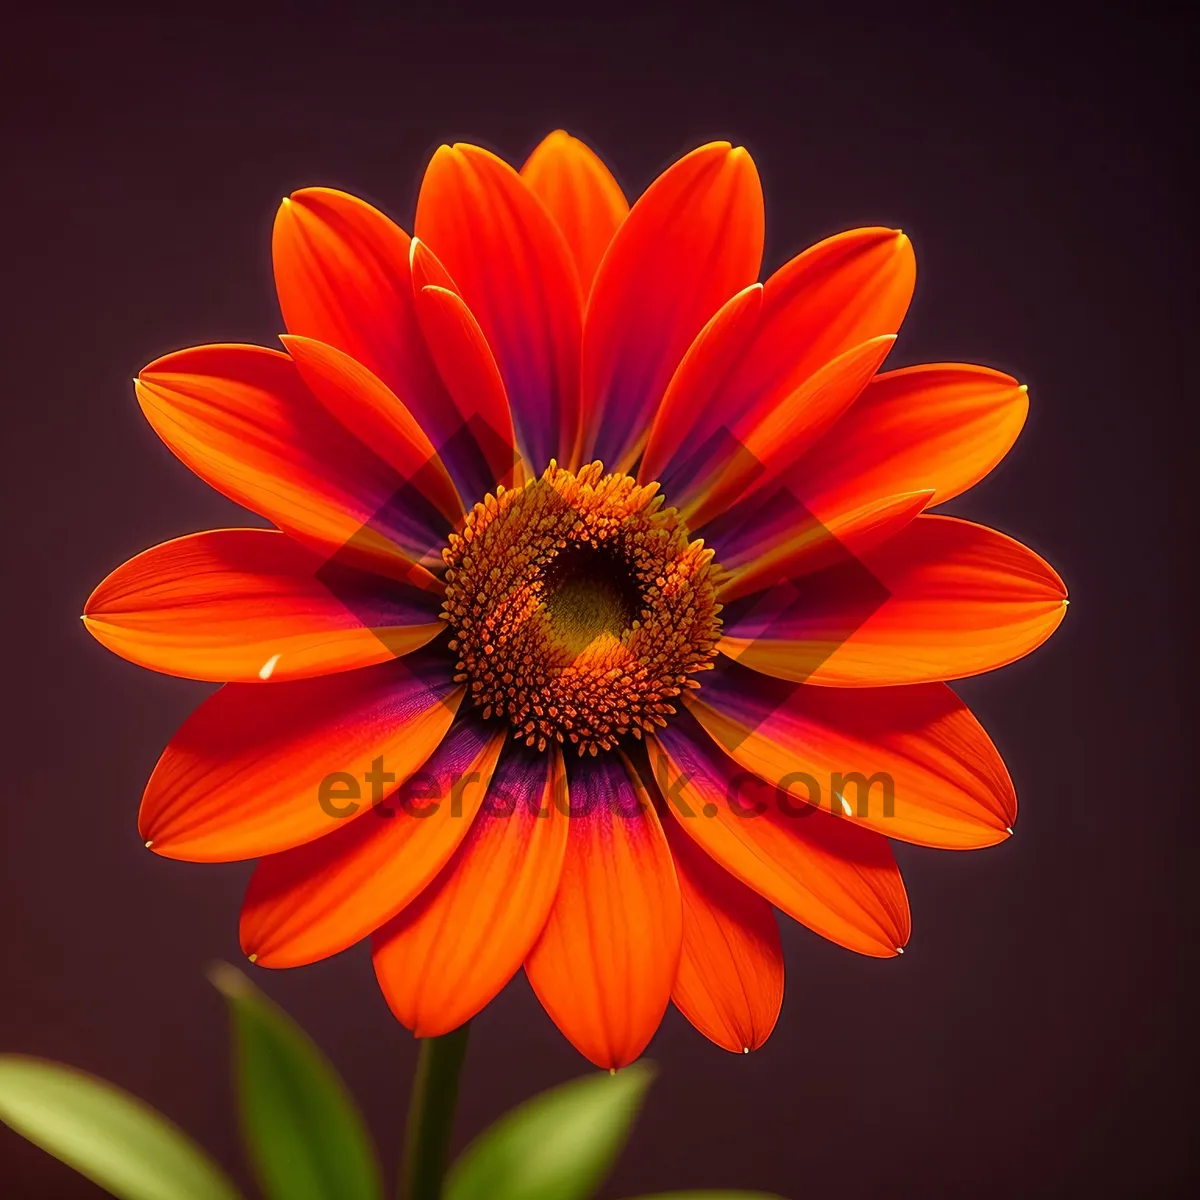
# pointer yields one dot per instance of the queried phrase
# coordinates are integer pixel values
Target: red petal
(730, 981)
(243, 420)
(943, 426)
(839, 880)
(308, 903)
(775, 539)
(580, 194)
(251, 604)
(344, 277)
(450, 951)
(960, 599)
(909, 762)
(692, 240)
(605, 962)
(243, 777)
(513, 269)
(767, 451)
(365, 406)
(848, 290)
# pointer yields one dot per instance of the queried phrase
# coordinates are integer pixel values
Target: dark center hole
(590, 592)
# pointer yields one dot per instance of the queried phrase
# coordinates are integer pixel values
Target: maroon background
(1030, 1042)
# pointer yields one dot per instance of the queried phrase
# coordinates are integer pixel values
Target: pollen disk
(579, 607)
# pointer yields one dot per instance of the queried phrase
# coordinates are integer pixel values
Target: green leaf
(106, 1134)
(303, 1132)
(557, 1146)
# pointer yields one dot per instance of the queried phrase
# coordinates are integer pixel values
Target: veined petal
(730, 981)
(773, 538)
(512, 267)
(243, 420)
(257, 770)
(838, 879)
(942, 426)
(449, 952)
(581, 195)
(344, 275)
(692, 240)
(911, 763)
(370, 410)
(957, 599)
(697, 380)
(308, 903)
(489, 455)
(608, 955)
(241, 605)
(841, 293)
(766, 451)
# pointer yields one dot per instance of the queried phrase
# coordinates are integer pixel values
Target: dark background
(1032, 1040)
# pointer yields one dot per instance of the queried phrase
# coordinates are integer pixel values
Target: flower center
(579, 607)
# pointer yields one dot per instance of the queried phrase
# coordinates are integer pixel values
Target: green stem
(431, 1114)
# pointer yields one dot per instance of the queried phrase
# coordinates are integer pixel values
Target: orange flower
(748, 684)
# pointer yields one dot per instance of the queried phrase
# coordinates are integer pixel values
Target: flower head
(604, 612)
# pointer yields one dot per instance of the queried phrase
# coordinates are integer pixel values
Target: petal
(257, 770)
(513, 269)
(955, 599)
(243, 420)
(730, 981)
(692, 240)
(486, 447)
(581, 195)
(772, 538)
(836, 878)
(911, 763)
(450, 951)
(605, 962)
(370, 410)
(251, 604)
(342, 274)
(768, 450)
(845, 291)
(315, 900)
(943, 426)
(697, 380)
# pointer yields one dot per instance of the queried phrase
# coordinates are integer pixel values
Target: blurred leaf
(303, 1132)
(104, 1133)
(557, 1146)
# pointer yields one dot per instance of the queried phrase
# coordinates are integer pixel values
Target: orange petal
(257, 770)
(956, 599)
(370, 410)
(513, 269)
(767, 451)
(773, 538)
(845, 291)
(242, 418)
(450, 951)
(469, 370)
(580, 194)
(730, 981)
(308, 903)
(251, 604)
(343, 273)
(839, 880)
(605, 962)
(692, 240)
(943, 426)
(910, 762)
(698, 378)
